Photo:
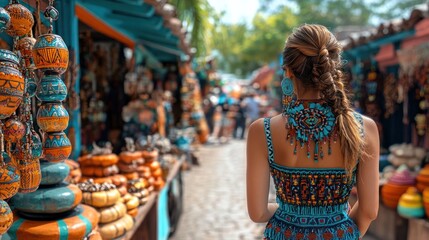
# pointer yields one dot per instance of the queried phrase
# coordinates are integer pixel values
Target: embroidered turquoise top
(313, 203)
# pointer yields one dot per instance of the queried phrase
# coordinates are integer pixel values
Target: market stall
(97, 64)
(389, 76)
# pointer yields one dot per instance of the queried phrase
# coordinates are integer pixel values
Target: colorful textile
(313, 203)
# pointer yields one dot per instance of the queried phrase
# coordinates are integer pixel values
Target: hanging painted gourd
(25, 47)
(11, 83)
(52, 117)
(6, 217)
(13, 130)
(9, 181)
(21, 20)
(57, 147)
(4, 19)
(51, 54)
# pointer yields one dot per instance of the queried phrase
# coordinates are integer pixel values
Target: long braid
(316, 63)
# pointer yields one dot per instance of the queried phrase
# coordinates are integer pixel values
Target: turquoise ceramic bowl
(411, 212)
(53, 173)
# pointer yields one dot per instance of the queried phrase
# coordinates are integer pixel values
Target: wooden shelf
(173, 171)
(141, 215)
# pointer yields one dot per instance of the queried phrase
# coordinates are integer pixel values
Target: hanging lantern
(11, 83)
(21, 20)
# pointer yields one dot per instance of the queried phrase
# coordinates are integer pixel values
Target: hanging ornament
(13, 130)
(310, 121)
(21, 19)
(4, 19)
(421, 124)
(51, 54)
(6, 217)
(25, 47)
(11, 83)
(52, 117)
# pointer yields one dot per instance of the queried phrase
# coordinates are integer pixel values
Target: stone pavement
(215, 197)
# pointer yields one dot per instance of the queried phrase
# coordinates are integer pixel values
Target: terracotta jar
(51, 54)
(9, 181)
(411, 204)
(397, 185)
(21, 20)
(426, 201)
(11, 83)
(31, 175)
(6, 217)
(51, 89)
(423, 179)
(57, 147)
(52, 117)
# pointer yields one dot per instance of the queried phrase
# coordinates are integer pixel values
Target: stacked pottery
(114, 220)
(396, 186)
(99, 166)
(54, 210)
(75, 172)
(423, 179)
(406, 154)
(426, 201)
(120, 181)
(153, 170)
(411, 204)
(132, 203)
(129, 163)
(139, 188)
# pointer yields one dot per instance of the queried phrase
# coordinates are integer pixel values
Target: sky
(236, 10)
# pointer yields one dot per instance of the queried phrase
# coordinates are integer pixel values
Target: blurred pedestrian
(252, 108)
(240, 119)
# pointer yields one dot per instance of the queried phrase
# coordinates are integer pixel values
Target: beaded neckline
(310, 120)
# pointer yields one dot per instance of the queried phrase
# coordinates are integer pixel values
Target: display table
(418, 229)
(152, 221)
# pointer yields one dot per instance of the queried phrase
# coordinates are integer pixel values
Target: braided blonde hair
(312, 53)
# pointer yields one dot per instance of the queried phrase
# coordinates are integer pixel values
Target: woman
(328, 149)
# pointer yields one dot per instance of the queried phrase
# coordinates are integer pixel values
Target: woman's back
(312, 196)
(316, 151)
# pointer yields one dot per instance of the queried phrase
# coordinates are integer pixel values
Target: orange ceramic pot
(390, 194)
(423, 178)
(129, 157)
(79, 224)
(149, 156)
(6, 217)
(51, 54)
(56, 146)
(52, 117)
(426, 200)
(11, 83)
(98, 160)
(21, 20)
(131, 176)
(96, 180)
(90, 171)
(119, 180)
(31, 175)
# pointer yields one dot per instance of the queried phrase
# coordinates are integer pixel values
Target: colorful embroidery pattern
(313, 203)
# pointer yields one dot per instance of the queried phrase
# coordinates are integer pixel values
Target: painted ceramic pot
(31, 175)
(51, 89)
(51, 54)
(9, 181)
(52, 117)
(25, 47)
(53, 173)
(6, 217)
(411, 204)
(11, 83)
(30, 80)
(4, 19)
(21, 20)
(58, 199)
(76, 225)
(423, 179)
(13, 130)
(397, 185)
(57, 147)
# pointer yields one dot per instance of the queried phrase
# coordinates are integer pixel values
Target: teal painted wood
(67, 26)
(53, 173)
(163, 217)
(56, 199)
(140, 10)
